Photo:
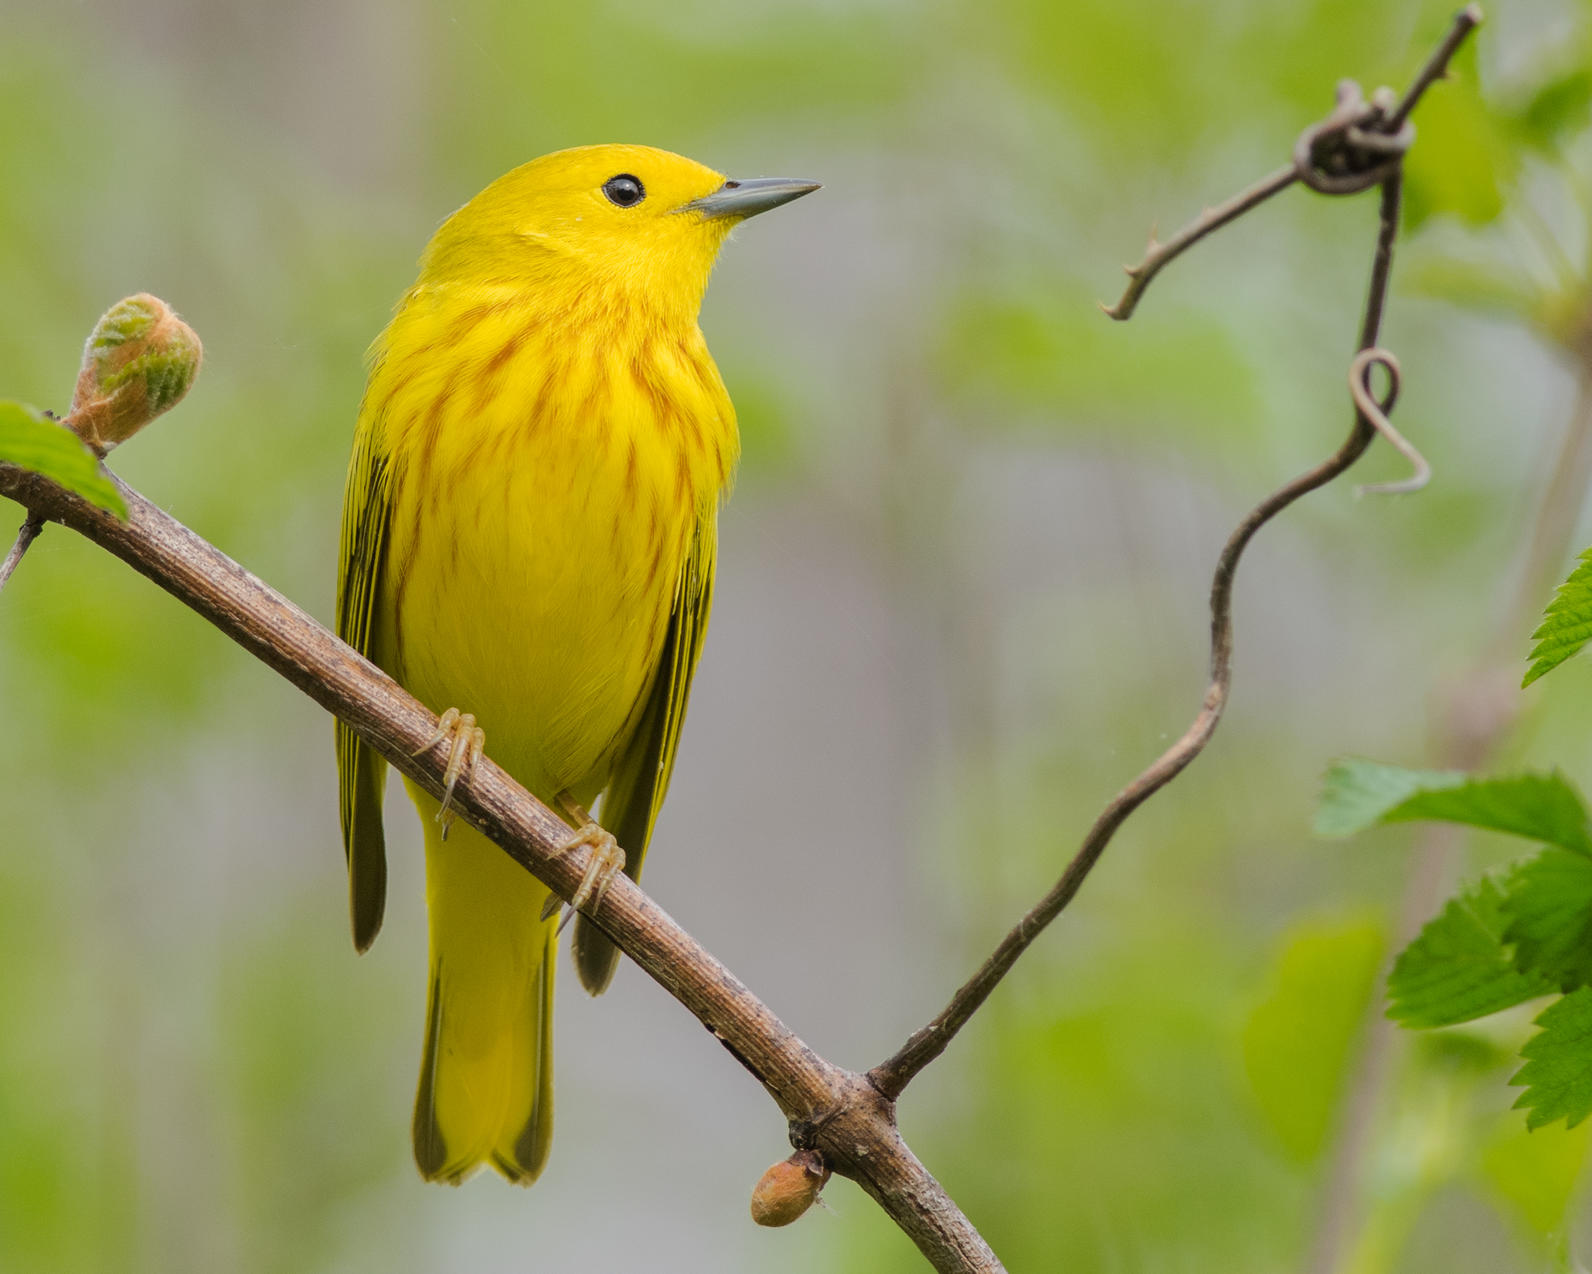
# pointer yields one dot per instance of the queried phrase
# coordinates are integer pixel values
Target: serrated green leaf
(1557, 1075)
(1360, 794)
(1357, 794)
(1566, 624)
(1549, 918)
(1459, 967)
(1299, 1039)
(1543, 807)
(31, 441)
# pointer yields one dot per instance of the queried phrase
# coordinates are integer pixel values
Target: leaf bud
(139, 361)
(789, 1188)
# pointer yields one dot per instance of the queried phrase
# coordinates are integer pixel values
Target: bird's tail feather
(486, 1081)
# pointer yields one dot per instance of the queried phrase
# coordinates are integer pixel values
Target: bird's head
(628, 220)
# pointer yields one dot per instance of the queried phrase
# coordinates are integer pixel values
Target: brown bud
(139, 361)
(789, 1188)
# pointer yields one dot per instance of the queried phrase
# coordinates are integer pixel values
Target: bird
(529, 542)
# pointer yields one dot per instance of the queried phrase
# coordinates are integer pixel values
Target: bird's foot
(607, 860)
(465, 741)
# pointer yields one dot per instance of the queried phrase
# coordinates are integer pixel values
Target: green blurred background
(961, 602)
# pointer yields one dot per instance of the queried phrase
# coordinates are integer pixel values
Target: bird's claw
(607, 861)
(466, 741)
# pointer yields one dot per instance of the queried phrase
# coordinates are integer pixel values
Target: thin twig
(1436, 68)
(31, 526)
(893, 1075)
(1358, 145)
(1157, 254)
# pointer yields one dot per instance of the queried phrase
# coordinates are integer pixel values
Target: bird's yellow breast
(552, 475)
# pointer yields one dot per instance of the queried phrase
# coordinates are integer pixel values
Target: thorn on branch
(29, 532)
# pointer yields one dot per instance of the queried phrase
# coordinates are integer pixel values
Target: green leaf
(1458, 1052)
(1557, 1075)
(1549, 911)
(1358, 794)
(1299, 1039)
(31, 441)
(1459, 966)
(1562, 104)
(1566, 624)
(1544, 807)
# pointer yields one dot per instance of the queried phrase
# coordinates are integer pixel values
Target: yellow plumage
(529, 535)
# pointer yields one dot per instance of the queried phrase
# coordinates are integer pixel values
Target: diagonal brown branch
(844, 1117)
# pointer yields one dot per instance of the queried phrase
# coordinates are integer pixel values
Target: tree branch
(841, 1115)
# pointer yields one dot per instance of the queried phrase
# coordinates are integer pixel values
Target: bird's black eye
(624, 190)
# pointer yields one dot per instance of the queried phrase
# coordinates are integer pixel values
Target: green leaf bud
(139, 361)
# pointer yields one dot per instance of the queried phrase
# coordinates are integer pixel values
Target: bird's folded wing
(641, 775)
(361, 771)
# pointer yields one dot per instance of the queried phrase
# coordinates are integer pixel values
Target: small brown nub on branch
(138, 362)
(789, 1188)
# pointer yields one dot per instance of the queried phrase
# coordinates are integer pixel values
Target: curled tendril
(1375, 412)
(1351, 149)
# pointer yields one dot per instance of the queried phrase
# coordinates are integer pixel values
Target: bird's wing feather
(361, 771)
(641, 775)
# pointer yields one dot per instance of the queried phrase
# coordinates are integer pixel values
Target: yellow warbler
(529, 536)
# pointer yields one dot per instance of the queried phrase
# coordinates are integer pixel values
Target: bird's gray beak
(742, 199)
